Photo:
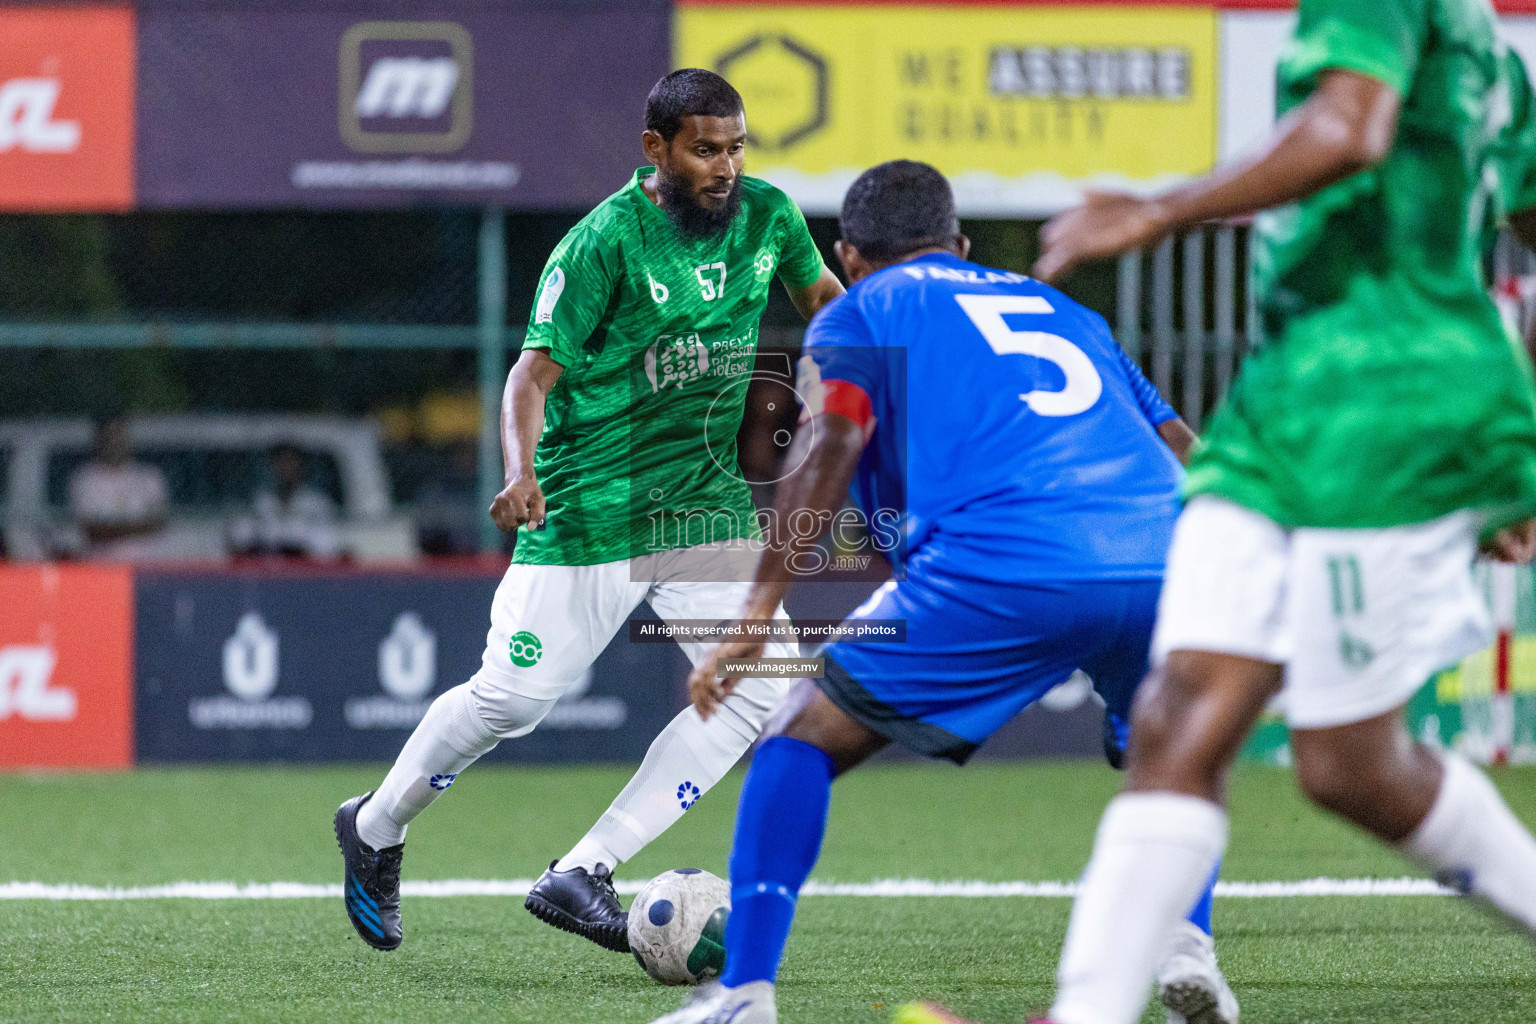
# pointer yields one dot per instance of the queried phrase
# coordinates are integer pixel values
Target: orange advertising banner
(66, 108)
(66, 667)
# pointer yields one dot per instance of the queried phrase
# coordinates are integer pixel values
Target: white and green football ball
(677, 926)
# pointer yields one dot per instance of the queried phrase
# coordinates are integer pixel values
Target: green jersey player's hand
(521, 502)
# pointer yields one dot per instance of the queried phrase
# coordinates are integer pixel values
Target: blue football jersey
(1012, 439)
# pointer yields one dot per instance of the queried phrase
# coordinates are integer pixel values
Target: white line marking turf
(889, 888)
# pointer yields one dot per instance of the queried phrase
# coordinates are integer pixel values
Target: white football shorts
(550, 622)
(1360, 619)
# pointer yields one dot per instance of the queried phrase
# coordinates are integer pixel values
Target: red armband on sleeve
(850, 400)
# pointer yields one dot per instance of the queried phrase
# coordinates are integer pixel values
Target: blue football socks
(780, 822)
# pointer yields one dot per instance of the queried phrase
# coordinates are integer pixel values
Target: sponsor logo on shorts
(688, 794)
(1354, 652)
(526, 649)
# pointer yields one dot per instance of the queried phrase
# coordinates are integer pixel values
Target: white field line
(889, 888)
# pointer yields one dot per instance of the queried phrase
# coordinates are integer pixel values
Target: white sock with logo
(1473, 842)
(451, 737)
(1153, 855)
(688, 757)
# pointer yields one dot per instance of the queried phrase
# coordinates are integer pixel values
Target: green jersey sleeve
(799, 259)
(574, 293)
(1379, 38)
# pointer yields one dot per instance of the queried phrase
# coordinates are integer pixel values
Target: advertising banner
(538, 106)
(66, 108)
(66, 662)
(1020, 105)
(338, 666)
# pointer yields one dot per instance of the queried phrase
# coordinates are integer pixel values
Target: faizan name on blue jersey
(1009, 438)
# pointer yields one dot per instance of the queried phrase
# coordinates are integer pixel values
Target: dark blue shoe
(370, 880)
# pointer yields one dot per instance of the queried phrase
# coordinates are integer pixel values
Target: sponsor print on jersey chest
(708, 313)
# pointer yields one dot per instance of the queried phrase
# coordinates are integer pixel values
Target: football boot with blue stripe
(370, 880)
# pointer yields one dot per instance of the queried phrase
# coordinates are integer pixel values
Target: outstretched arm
(522, 422)
(832, 444)
(810, 299)
(1345, 126)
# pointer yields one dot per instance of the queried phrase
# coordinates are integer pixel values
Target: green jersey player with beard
(619, 434)
(651, 318)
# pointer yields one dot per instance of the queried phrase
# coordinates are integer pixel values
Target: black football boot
(583, 903)
(370, 880)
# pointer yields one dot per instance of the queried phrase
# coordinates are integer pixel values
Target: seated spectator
(292, 518)
(119, 504)
(448, 506)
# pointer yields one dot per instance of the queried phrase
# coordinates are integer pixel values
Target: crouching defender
(1031, 471)
(643, 333)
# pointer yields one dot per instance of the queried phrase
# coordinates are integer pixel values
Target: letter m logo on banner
(407, 87)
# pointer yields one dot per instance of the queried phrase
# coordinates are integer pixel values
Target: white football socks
(1153, 855)
(683, 763)
(452, 736)
(688, 757)
(1474, 843)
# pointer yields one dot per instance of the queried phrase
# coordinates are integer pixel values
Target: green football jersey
(657, 332)
(1386, 390)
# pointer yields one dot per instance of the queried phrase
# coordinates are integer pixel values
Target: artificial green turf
(1314, 960)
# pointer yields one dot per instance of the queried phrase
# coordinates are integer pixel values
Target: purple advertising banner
(535, 108)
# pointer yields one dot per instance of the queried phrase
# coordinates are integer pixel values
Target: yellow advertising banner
(1021, 106)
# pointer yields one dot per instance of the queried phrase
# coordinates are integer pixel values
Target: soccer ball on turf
(677, 926)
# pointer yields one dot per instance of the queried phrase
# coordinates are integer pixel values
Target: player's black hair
(689, 92)
(898, 207)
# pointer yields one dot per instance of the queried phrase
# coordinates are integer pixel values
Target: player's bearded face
(698, 211)
(698, 178)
